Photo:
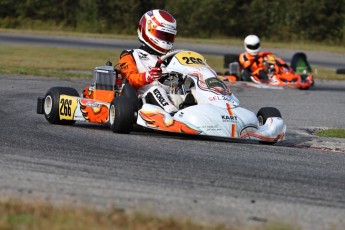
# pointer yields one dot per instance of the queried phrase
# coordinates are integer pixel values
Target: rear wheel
(51, 104)
(340, 71)
(121, 115)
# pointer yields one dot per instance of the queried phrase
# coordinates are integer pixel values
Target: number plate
(189, 58)
(67, 107)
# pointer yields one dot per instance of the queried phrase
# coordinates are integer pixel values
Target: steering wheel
(166, 56)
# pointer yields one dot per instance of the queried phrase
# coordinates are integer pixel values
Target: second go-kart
(280, 74)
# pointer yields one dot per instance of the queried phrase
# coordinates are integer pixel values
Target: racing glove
(153, 74)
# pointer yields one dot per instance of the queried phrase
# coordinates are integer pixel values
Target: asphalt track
(301, 181)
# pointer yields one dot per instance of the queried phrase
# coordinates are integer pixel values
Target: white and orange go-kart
(206, 106)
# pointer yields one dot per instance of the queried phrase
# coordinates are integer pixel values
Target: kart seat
(188, 101)
(299, 63)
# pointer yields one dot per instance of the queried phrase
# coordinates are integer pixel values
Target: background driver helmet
(252, 44)
(157, 29)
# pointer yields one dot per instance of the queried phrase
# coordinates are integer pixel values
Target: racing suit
(252, 66)
(133, 66)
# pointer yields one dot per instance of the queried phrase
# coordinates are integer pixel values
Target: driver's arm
(245, 61)
(129, 70)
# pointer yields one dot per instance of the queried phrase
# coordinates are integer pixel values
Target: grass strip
(41, 72)
(16, 214)
(338, 133)
(73, 62)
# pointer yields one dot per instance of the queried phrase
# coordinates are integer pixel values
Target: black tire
(266, 112)
(245, 75)
(129, 91)
(51, 104)
(340, 71)
(121, 115)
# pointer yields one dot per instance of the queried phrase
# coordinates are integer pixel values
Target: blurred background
(319, 21)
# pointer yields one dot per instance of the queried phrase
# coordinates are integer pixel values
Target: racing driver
(251, 61)
(156, 32)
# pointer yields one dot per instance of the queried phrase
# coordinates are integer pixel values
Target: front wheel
(121, 115)
(266, 112)
(51, 104)
(246, 75)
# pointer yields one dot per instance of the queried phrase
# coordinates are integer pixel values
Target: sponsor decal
(160, 97)
(124, 66)
(150, 13)
(156, 41)
(78, 117)
(143, 56)
(168, 30)
(229, 118)
(221, 98)
(93, 104)
(211, 127)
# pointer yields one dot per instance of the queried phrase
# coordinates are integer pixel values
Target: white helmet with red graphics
(252, 44)
(157, 29)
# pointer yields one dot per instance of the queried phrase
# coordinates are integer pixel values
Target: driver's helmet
(157, 29)
(252, 44)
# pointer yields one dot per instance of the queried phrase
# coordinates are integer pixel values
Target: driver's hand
(153, 74)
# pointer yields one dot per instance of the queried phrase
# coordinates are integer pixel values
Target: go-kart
(206, 105)
(280, 74)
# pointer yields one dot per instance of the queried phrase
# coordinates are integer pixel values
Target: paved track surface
(207, 180)
(319, 59)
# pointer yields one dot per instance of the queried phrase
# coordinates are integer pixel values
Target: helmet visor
(253, 47)
(162, 35)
